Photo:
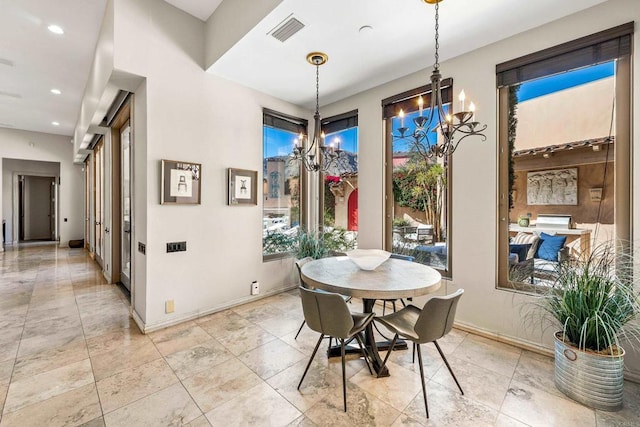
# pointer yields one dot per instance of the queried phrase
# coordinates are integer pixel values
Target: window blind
(600, 47)
(407, 100)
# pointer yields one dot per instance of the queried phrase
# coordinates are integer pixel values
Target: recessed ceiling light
(55, 29)
(365, 29)
(56, 91)
(55, 123)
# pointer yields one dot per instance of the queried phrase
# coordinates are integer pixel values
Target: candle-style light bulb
(461, 97)
(420, 104)
(448, 118)
(322, 139)
(401, 115)
(472, 107)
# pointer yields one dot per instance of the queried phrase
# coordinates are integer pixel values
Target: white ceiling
(34, 60)
(402, 42)
(201, 9)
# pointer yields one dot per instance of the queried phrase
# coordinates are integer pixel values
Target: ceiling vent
(287, 28)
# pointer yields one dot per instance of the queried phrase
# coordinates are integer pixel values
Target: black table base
(371, 346)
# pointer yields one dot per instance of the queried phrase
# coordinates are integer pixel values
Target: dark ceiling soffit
(118, 102)
(422, 90)
(407, 100)
(283, 116)
(602, 42)
(340, 122)
(94, 141)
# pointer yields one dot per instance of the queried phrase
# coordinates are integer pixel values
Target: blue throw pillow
(520, 249)
(550, 246)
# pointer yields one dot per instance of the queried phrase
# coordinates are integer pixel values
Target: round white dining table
(393, 279)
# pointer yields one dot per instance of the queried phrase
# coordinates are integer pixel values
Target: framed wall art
(180, 183)
(243, 187)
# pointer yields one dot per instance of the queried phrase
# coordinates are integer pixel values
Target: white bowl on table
(368, 259)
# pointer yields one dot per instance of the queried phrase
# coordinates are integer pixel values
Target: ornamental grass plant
(324, 243)
(594, 300)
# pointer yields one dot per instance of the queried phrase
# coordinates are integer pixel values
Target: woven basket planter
(592, 379)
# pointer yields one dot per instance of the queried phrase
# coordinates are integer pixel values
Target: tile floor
(71, 355)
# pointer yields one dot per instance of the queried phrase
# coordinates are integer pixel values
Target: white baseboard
(155, 326)
(138, 320)
(506, 339)
(527, 345)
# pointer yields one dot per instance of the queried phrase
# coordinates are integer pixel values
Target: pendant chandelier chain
(437, 64)
(315, 155)
(317, 89)
(439, 133)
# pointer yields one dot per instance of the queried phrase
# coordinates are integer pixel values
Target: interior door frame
(15, 199)
(121, 118)
(99, 147)
(127, 123)
(87, 205)
(53, 202)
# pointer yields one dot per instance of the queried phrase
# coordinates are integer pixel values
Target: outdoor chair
(328, 314)
(430, 324)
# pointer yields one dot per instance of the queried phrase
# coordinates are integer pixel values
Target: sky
(558, 82)
(280, 143)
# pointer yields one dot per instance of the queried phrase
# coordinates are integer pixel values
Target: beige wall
(586, 211)
(575, 114)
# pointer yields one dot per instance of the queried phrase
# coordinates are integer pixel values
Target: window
(281, 190)
(417, 208)
(564, 157)
(339, 186)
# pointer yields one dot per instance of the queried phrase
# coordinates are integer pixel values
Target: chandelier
(453, 128)
(316, 155)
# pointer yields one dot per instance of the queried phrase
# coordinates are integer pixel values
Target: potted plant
(594, 301)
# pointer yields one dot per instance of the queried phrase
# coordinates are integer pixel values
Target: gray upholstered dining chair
(430, 324)
(328, 314)
(299, 264)
(393, 301)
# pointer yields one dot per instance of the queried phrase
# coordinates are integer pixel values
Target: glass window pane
(420, 194)
(280, 192)
(561, 178)
(341, 182)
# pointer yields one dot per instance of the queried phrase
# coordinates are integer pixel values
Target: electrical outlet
(169, 306)
(255, 287)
